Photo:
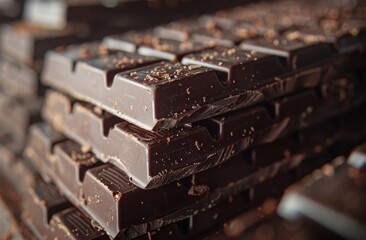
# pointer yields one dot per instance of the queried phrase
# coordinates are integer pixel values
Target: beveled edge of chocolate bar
(146, 140)
(144, 111)
(54, 153)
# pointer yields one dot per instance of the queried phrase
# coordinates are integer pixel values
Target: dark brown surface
(208, 81)
(105, 192)
(15, 118)
(19, 80)
(169, 155)
(51, 216)
(55, 14)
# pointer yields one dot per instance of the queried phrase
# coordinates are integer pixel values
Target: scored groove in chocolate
(158, 164)
(230, 77)
(110, 202)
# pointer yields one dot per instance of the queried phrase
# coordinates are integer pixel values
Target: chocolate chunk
(28, 44)
(50, 14)
(105, 192)
(97, 187)
(298, 55)
(51, 216)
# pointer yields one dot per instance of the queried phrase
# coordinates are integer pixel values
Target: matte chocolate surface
(204, 57)
(171, 154)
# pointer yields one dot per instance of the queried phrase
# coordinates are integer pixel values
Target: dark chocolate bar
(270, 189)
(46, 212)
(9, 228)
(19, 80)
(50, 216)
(171, 154)
(331, 198)
(28, 43)
(55, 14)
(15, 119)
(164, 95)
(47, 203)
(96, 186)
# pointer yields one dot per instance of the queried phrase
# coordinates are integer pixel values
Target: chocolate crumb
(198, 190)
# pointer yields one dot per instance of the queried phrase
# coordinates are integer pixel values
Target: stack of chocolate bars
(170, 132)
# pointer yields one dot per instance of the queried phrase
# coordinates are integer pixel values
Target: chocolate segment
(57, 14)
(18, 80)
(15, 118)
(28, 44)
(298, 54)
(50, 216)
(275, 57)
(191, 147)
(104, 191)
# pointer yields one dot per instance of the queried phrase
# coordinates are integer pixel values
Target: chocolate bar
(80, 176)
(267, 187)
(96, 186)
(19, 80)
(168, 155)
(61, 216)
(46, 202)
(15, 118)
(333, 192)
(23, 186)
(149, 103)
(28, 43)
(51, 216)
(55, 14)
(162, 95)
(8, 224)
